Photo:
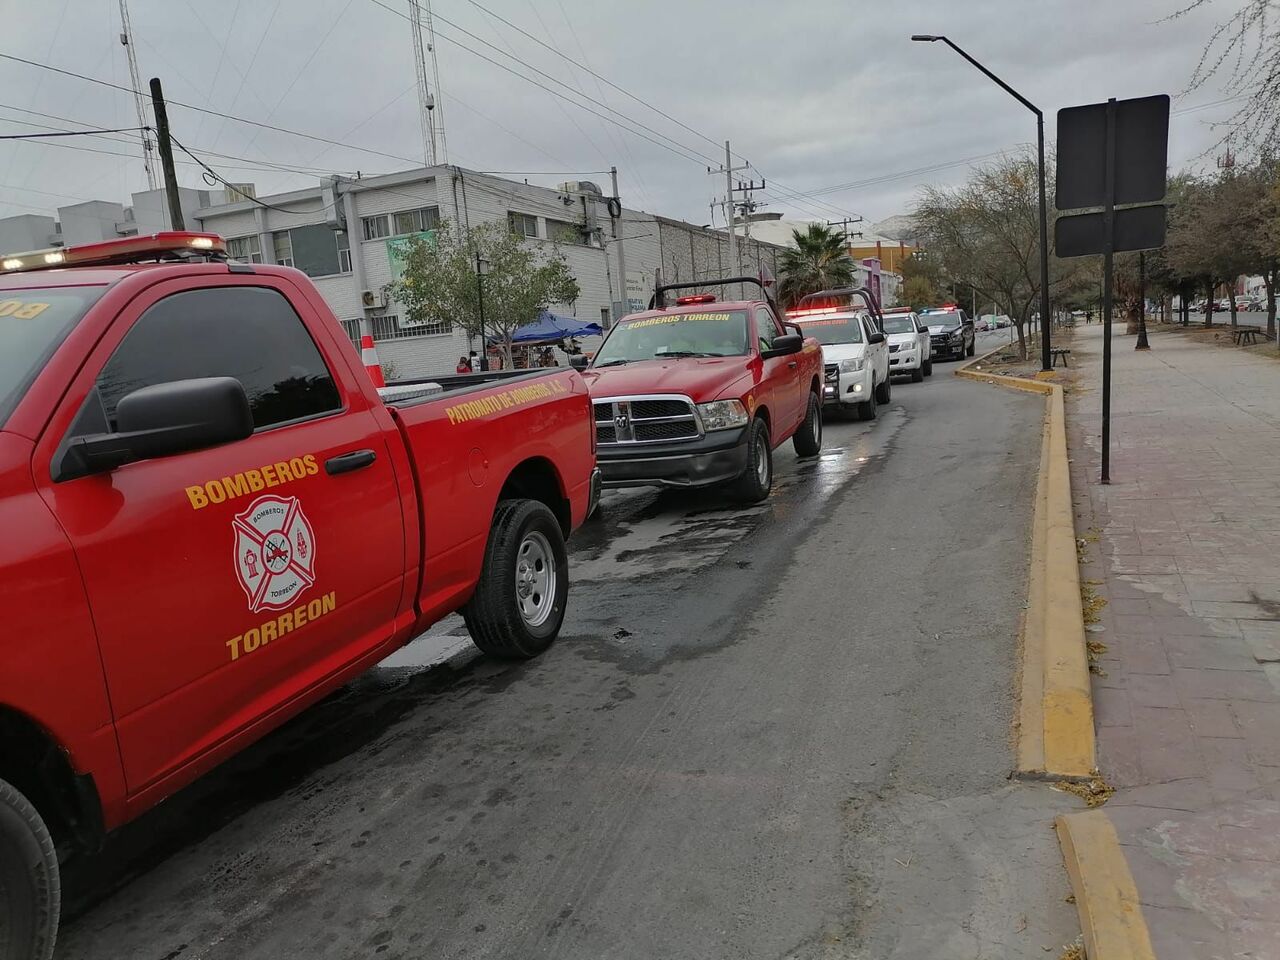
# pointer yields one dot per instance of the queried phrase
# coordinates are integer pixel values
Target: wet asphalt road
(779, 732)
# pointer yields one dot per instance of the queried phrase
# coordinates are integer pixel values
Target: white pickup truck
(910, 351)
(855, 352)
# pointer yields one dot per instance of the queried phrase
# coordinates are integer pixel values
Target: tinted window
(250, 333)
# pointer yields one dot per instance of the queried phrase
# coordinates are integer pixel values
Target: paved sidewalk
(1188, 560)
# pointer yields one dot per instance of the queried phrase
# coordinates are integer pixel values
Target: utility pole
(748, 205)
(845, 224)
(126, 40)
(426, 102)
(615, 204)
(166, 156)
(729, 170)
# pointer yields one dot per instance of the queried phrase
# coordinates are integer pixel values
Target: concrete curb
(1106, 898)
(1055, 722)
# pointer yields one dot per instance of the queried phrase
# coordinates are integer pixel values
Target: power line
(212, 113)
(65, 133)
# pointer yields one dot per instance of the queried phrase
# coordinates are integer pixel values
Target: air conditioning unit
(368, 299)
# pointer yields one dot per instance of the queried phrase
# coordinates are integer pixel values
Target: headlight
(853, 365)
(722, 414)
(958, 335)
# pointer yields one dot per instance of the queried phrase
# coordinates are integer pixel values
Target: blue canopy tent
(551, 328)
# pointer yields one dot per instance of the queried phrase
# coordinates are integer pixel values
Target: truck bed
(401, 393)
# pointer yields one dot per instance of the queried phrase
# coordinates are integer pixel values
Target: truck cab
(848, 324)
(699, 393)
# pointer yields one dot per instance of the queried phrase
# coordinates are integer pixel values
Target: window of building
(245, 249)
(283, 248)
(344, 251)
(562, 232)
(375, 228)
(415, 221)
(315, 249)
(523, 224)
(250, 333)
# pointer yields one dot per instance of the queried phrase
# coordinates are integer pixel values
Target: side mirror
(876, 337)
(161, 420)
(579, 361)
(784, 345)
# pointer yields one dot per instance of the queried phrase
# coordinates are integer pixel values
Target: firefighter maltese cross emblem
(275, 552)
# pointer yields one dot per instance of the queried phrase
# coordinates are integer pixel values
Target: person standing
(464, 365)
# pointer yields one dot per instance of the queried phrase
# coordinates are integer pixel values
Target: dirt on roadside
(1218, 335)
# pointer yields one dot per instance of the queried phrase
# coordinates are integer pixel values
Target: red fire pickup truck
(211, 519)
(702, 392)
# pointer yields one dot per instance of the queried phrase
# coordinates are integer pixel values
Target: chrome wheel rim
(817, 426)
(535, 579)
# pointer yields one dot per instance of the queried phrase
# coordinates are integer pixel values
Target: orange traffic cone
(369, 357)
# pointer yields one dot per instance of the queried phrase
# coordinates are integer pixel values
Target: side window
(766, 328)
(250, 333)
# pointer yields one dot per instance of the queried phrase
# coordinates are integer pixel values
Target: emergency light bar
(810, 311)
(700, 298)
(171, 244)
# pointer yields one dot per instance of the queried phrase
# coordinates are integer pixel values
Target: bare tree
(1244, 49)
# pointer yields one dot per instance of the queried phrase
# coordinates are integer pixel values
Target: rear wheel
(755, 482)
(30, 892)
(884, 391)
(808, 439)
(519, 602)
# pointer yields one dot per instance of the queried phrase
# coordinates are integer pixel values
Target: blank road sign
(1141, 153)
(1137, 228)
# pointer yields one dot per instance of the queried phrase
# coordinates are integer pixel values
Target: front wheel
(928, 367)
(884, 391)
(755, 482)
(808, 439)
(30, 890)
(973, 347)
(917, 375)
(520, 600)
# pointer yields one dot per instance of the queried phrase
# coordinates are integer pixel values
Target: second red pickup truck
(212, 519)
(700, 393)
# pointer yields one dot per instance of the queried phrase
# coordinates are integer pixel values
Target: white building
(96, 220)
(338, 232)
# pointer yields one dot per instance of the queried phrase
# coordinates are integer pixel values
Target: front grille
(832, 372)
(621, 420)
(895, 347)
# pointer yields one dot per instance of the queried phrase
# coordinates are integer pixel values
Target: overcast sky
(816, 94)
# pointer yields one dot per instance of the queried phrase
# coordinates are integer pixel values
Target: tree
(819, 261)
(1245, 49)
(985, 235)
(921, 281)
(440, 286)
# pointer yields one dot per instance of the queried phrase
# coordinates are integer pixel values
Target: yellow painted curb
(1106, 897)
(1055, 717)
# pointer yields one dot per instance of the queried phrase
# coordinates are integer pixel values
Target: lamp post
(1044, 210)
(482, 271)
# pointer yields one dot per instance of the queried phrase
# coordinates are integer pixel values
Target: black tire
(867, 409)
(522, 534)
(808, 439)
(755, 482)
(30, 890)
(928, 367)
(973, 347)
(917, 375)
(884, 391)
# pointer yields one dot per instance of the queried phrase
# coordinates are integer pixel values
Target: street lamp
(1044, 213)
(482, 271)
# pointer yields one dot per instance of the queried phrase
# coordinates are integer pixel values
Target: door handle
(346, 462)
(793, 364)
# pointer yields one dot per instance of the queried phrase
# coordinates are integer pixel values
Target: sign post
(1112, 154)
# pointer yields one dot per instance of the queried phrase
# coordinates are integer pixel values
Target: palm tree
(819, 261)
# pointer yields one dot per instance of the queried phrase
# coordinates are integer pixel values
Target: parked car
(700, 393)
(951, 331)
(855, 349)
(910, 348)
(212, 520)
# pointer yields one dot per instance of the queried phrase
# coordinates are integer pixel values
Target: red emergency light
(698, 298)
(171, 244)
(812, 311)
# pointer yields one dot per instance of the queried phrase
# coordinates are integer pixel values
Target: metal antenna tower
(441, 145)
(126, 40)
(432, 128)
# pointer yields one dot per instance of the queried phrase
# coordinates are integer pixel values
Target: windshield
(943, 318)
(720, 333)
(899, 323)
(832, 329)
(33, 323)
